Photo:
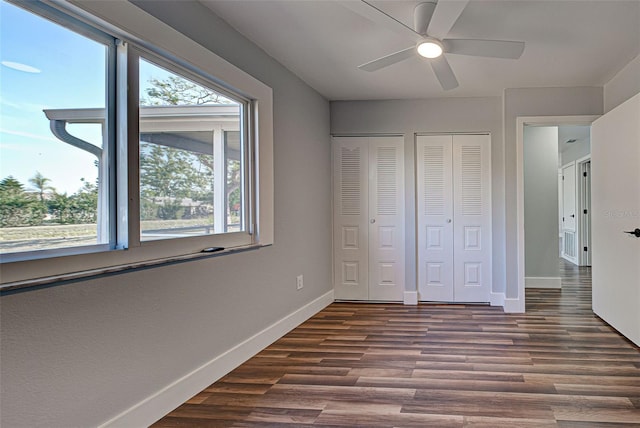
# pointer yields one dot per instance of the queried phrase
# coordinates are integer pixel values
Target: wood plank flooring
(384, 365)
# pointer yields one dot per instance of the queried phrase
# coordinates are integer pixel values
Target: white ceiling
(568, 43)
(580, 133)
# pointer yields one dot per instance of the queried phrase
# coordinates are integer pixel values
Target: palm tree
(40, 182)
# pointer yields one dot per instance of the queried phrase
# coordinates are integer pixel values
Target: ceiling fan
(432, 22)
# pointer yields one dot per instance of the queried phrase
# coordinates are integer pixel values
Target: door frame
(576, 207)
(584, 224)
(518, 304)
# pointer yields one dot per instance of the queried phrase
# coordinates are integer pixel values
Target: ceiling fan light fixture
(429, 48)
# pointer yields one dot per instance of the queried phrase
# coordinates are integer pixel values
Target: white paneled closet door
(435, 217)
(454, 217)
(351, 218)
(368, 218)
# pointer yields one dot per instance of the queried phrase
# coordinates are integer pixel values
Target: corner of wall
(624, 85)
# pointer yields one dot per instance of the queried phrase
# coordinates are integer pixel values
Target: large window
(51, 169)
(109, 142)
(191, 157)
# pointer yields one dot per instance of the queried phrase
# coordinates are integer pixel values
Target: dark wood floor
(377, 365)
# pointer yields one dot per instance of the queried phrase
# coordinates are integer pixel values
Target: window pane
(53, 154)
(191, 158)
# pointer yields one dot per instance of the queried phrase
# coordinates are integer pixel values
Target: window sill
(55, 280)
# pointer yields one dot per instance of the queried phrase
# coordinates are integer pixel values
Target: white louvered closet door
(435, 217)
(386, 218)
(368, 221)
(454, 218)
(351, 218)
(472, 218)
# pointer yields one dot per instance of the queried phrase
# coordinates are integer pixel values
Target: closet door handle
(373, 220)
(448, 220)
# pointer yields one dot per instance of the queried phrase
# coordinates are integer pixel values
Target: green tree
(176, 91)
(17, 207)
(41, 184)
(9, 186)
(168, 174)
(78, 208)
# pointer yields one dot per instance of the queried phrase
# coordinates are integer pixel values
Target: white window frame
(225, 240)
(127, 22)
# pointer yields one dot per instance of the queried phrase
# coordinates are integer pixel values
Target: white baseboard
(542, 282)
(496, 299)
(573, 260)
(410, 297)
(162, 402)
(513, 306)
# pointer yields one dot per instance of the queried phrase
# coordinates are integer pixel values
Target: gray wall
(534, 102)
(541, 201)
(623, 86)
(577, 151)
(496, 115)
(444, 115)
(77, 355)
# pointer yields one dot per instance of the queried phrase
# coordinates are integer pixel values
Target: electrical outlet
(299, 282)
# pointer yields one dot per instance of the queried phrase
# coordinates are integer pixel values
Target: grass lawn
(31, 238)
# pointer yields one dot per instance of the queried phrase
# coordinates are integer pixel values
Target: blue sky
(70, 73)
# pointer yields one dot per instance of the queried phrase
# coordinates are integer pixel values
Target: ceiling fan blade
(422, 15)
(444, 73)
(388, 60)
(489, 48)
(446, 14)
(377, 16)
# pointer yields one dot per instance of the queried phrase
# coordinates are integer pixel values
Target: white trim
(162, 402)
(582, 258)
(542, 282)
(514, 306)
(410, 297)
(520, 122)
(496, 299)
(583, 159)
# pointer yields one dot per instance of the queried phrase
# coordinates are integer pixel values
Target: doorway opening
(574, 198)
(552, 226)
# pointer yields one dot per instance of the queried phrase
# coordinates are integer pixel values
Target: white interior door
(569, 208)
(435, 217)
(472, 218)
(386, 218)
(368, 222)
(454, 217)
(615, 202)
(351, 218)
